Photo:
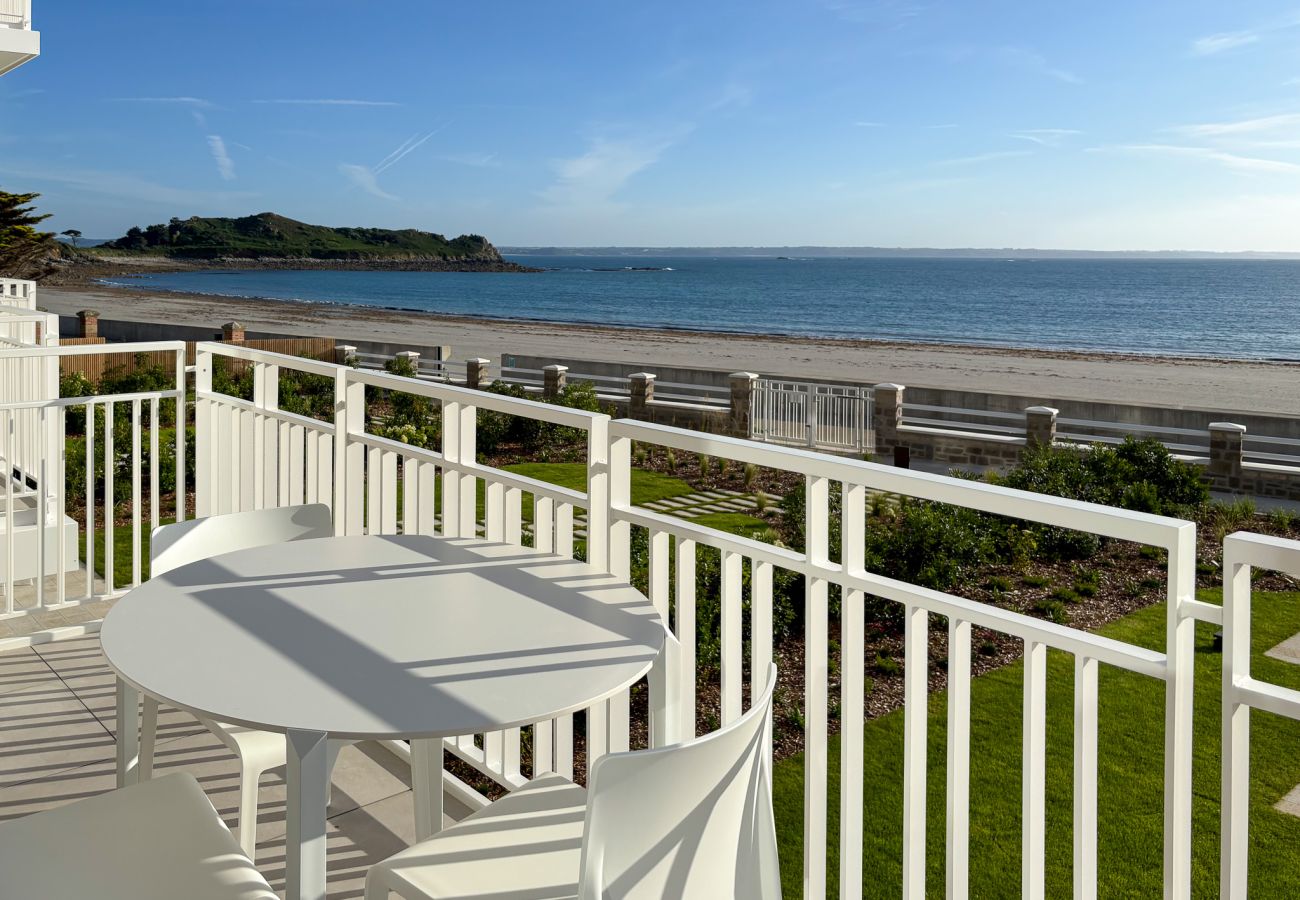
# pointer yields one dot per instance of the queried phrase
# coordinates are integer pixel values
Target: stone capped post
(887, 417)
(345, 354)
(476, 373)
(742, 401)
(411, 357)
(89, 323)
(641, 387)
(232, 333)
(555, 378)
(1040, 426)
(1226, 452)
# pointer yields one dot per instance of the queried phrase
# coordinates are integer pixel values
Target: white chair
(186, 542)
(157, 840)
(687, 821)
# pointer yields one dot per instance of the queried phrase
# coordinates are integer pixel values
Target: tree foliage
(23, 248)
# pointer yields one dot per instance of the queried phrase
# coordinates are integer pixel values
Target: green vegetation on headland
(268, 236)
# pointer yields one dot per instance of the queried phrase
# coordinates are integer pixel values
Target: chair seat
(268, 747)
(157, 840)
(525, 846)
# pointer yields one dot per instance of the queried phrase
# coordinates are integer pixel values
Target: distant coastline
(810, 252)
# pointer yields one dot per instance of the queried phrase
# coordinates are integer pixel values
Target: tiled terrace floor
(57, 726)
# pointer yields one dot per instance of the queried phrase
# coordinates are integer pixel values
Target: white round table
(376, 637)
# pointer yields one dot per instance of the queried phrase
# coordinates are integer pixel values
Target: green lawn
(122, 548)
(1130, 791)
(733, 523)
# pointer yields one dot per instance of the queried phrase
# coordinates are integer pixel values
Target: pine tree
(23, 249)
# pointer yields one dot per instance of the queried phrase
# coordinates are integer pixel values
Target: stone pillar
(412, 357)
(641, 387)
(345, 354)
(89, 323)
(1040, 426)
(555, 378)
(476, 373)
(232, 333)
(742, 401)
(1226, 439)
(887, 417)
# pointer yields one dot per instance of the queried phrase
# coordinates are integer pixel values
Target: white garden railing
(251, 454)
(16, 14)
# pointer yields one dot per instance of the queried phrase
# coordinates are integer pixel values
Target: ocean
(1241, 309)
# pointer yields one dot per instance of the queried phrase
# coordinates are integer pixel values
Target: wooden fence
(96, 366)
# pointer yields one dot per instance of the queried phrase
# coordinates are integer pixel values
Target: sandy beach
(1264, 387)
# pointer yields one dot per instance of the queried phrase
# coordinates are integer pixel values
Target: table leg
(426, 786)
(307, 774)
(128, 734)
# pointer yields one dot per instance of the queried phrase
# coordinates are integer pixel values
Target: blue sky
(1109, 125)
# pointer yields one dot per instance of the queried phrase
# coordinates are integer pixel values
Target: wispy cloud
(1232, 161)
(124, 185)
(983, 158)
(332, 101)
(196, 102)
(225, 165)
(365, 179)
(595, 177)
(1045, 137)
(869, 124)
(1227, 40)
(889, 14)
(476, 160)
(1036, 62)
(733, 94)
(1241, 126)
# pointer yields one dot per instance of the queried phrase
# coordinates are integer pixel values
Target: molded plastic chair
(186, 542)
(156, 840)
(687, 821)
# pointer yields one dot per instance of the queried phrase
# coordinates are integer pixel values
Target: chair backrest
(186, 542)
(692, 821)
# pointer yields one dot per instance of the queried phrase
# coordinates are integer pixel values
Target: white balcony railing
(250, 453)
(16, 14)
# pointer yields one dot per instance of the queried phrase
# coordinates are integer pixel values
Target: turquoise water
(1217, 308)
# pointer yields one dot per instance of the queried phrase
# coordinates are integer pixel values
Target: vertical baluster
(109, 500)
(250, 464)
(388, 482)
(732, 647)
(410, 495)
(154, 461)
(1033, 819)
(60, 505)
(544, 524)
(514, 525)
(311, 461)
(686, 626)
(916, 663)
(494, 511)
(543, 747)
(42, 455)
(816, 675)
(286, 454)
(9, 508)
(1085, 778)
(90, 501)
(324, 457)
(958, 810)
(374, 492)
(659, 595)
(564, 530)
(428, 489)
(293, 487)
(136, 543)
(852, 690)
(564, 746)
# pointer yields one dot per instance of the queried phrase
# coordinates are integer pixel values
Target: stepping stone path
(689, 506)
(1288, 651)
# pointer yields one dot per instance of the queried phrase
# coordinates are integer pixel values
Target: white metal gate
(807, 414)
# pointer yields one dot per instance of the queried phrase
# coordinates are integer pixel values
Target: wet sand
(1264, 387)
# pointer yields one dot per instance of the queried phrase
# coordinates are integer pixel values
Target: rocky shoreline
(85, 269)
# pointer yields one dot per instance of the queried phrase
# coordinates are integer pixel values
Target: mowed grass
(1131, 760)
(123, 549)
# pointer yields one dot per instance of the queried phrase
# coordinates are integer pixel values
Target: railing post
(742, 400)
(182, 431)
(598, 493)
(1180, 656)
(887, 416)
(232, 333)
(1235, 762)
(89, 323)
(349, 458)
(476, 373)
(345, 354)
(1040, 426)
(266, 451)
(641, 392)
(411, 357)
(555, 378)
(1226, 455)
(204, 423)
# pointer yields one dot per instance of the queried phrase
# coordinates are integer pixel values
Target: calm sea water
(1220, 308)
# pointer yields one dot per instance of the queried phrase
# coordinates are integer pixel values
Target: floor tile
(44, 730)
(22, 669)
